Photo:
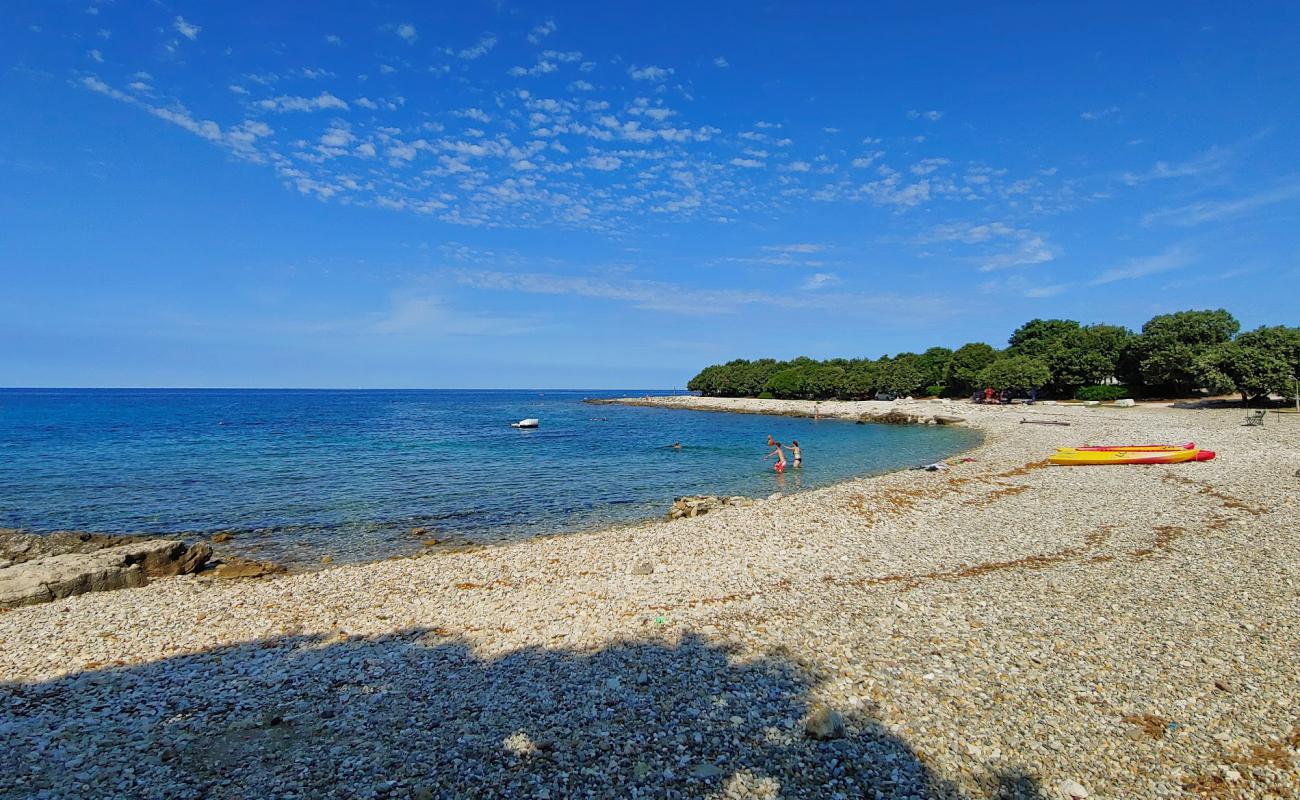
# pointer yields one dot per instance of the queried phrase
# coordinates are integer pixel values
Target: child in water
(798, 453)
(780, 456)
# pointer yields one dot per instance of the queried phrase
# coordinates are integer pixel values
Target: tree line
(1174, 355)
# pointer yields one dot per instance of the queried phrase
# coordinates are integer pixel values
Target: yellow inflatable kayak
(1079, 458)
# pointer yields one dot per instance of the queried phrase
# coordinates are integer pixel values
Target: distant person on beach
(817, 412)
(780, 456)
(798, 453)
(988, 394)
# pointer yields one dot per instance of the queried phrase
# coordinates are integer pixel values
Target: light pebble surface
(1001, 629)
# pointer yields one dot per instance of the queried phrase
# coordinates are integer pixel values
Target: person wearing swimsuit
(780, 456)
(798, 453)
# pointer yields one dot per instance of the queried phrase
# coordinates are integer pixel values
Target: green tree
(1280, 340)
(1038, 337)
(1015, 372)
(965, 366)
(863, 378)
(1165, 356)
(1250, 371)
(933, 364)
(1085, 356)
(902, 376)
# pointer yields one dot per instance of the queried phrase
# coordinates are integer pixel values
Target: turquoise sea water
(300, 474)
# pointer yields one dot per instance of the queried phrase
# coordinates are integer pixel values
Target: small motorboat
(525, 423)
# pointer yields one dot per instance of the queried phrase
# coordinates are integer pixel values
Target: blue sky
(614, 195)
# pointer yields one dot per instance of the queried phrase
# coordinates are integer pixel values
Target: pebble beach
(1002, 628)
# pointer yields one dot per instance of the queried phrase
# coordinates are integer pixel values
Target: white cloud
(799, 247)
(746, 162)
(406, 31)
(1096, 115)
(581, 86)
(1212, 160)
(798, 166)
(650, 73)
(332, 39)
(927, 165)
(95, 56)
(320, 102)
(185, 29)
(339, 135)
(479, 50)
(820, 280)
(1171, 259)
(1026, 247)
(933, 116)
(239, 139)
(720, 62)
(604, 163)
(540, 68)
(414, 313)
(564, 57)
(476, 114)
(1215, 210)
(541, 32)
(237, 89)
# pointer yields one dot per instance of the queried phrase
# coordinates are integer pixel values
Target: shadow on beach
(418, 715)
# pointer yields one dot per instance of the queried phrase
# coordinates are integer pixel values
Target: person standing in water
(780, 456)
(798, 453)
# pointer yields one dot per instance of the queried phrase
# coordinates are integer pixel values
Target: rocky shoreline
(938, 412)
(1002, 628)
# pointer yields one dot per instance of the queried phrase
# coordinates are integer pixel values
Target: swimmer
(798, 453)
(780, 456)
(677, 445)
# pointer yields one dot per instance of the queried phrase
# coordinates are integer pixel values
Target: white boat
(525, 423)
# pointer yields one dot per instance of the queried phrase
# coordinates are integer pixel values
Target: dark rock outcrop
(39, 568)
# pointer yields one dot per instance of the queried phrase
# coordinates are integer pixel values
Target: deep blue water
(300, 474)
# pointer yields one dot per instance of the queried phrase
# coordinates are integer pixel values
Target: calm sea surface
(296, 475)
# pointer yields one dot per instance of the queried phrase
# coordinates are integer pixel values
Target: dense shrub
(1103, 393)
(935, 390)
(766, 396)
